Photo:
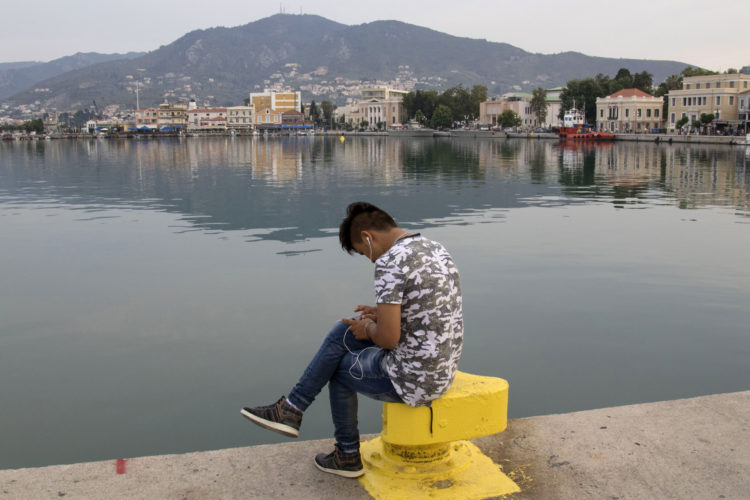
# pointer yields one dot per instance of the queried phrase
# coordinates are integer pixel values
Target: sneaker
(340, 463)
(279, 417)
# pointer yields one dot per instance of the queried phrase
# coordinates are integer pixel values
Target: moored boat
(574, 128)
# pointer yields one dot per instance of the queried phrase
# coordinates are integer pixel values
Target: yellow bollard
(424, 454)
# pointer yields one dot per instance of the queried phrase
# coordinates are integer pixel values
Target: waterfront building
(554, 105)
(708, 94)
(377, 106)
(295, 120)
(240, 117)
(629, 111)
(52, 122)
(276, 100)
(267, 118)
(172, 115)
(292, 118)
(91, 126)
(350, 114)
(207, 119)
(148, 117)
(743, 110)
(106, 125)
(518, 102)
(382, 93)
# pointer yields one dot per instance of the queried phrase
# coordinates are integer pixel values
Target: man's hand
(359, 327)
(367, 312)
(381, 325)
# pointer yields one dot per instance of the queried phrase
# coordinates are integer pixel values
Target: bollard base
(464, 472)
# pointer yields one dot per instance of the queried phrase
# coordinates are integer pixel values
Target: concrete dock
(683, 449)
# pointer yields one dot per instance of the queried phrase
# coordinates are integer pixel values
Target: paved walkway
(689, 448)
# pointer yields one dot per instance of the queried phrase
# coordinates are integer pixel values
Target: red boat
(575, 129)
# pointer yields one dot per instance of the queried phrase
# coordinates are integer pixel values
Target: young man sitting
(405, 349)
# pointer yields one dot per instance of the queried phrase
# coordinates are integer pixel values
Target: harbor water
(151, 288)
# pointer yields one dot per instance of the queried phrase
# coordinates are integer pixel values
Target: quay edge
(425, 133)
(687, 448)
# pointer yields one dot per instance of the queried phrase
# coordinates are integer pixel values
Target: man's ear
(365, 236)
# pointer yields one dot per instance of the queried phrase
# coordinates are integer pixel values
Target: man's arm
(385, 331)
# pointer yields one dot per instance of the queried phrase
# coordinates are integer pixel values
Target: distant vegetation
(582, 93)
(455, 105)
(36, 125)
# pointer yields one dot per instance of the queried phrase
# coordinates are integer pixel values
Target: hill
(324, 59)
(18, 76)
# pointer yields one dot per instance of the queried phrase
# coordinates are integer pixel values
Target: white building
(379, 106)
(207, 119)
(240, 117)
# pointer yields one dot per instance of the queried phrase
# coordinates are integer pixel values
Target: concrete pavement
(689, 448)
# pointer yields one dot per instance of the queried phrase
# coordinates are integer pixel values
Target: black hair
(361, 216)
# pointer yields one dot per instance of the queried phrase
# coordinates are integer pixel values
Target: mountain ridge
(18, 76)
(323, 59)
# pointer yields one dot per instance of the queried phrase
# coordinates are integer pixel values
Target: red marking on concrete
(121, 465)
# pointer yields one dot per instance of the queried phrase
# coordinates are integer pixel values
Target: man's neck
(395, 234)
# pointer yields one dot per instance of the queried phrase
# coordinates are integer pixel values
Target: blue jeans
(349, 366)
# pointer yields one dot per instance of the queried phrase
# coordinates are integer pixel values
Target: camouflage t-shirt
(420, 275)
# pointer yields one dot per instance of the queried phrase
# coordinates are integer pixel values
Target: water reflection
(290, 189)
(131, 291)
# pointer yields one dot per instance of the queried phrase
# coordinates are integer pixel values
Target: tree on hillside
(36, 125)
(605, 82)
(509, 118)
(582, 94)
(690, 71)
(421, 100)
(624, 79)
(327, 108)
(539, 105)
(478, 96)
(672, 82)
(314, 113)
(407, 101)
(420, 118)
(458, 100)
(643, 81)
(443, 117)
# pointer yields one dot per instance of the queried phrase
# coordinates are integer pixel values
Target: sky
(710, 34)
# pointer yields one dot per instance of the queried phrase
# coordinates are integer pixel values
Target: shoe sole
(339, 472)
(284, 429)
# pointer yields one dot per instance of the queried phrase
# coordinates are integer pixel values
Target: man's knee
(338, 332)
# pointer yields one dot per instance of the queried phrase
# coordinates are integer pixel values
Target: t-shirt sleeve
(389, 283)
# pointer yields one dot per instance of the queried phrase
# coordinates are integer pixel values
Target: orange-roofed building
(629, 111)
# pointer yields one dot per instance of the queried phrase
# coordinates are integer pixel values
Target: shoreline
(420, 133)
(685, 448)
